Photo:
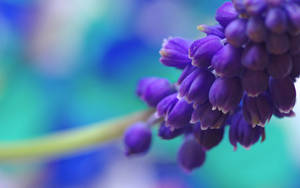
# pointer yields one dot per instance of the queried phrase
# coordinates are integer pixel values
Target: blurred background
(64, 63)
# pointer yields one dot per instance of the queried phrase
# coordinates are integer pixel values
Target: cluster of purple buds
(238, 76)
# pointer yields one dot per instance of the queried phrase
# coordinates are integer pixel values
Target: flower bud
(202, 50)
(296, 67)
(254, 82)
(255, 57)
(278, 44)
(190, 155)
(215, 30)
(235, 32)
(256, 29)
(282, 115)
(239, 6)
(195, 87)
(226, 14)
(186, 72)
(225, 94)
(283, 94)
(208, 118)
(276, 20)
(137, 138)
(152, 90)
(208, 138)
(166, 133)
(257, 110)
(242, 132)
(295, 45)
(227, 61)
(255, 7)
(166, 104)
(174, 52)
(293, 13)
(280, 66)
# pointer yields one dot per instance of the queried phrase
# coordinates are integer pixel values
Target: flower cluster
(239, 75)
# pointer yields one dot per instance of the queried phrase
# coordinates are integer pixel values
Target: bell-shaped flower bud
(280, 66)
(208, 118)
(152, 90)
(255, 57)
(256, 29)
(191, 155)
(257, 110)
(296, 67)
(255, 7)
(208, 138)
(278, 44)
(166, 133)
(137, 138)
(293, 13)
(195, 87)
(282, 115)
(226, 14)
(254, 82)
(175, 52)
(283, 94)
(180, 115)
(166, 104)
(242, 132)
(225, 94)
(235, 32)
(276, 20)
(227, 61)
(202, 50)
(239, 6)
(186, 72)
(215, 30)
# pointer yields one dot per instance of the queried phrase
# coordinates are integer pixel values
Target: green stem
(69, 141)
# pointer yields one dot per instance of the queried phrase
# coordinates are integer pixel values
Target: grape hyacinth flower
(237, 76)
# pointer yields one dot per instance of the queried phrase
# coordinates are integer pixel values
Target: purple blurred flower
(280, 66)
(254, 82)
(256, 29)
(208, 138)
(166, 133)
(215, 30)
(278, 44)
(226, 14)
(255, 57)
(255, 7)
(276, 20)
(235, 32)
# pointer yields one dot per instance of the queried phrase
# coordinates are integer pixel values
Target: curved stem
(69, 141)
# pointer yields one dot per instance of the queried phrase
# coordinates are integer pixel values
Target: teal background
(65, 64)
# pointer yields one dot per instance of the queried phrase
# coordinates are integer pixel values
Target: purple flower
(191, 155)
(242, 132)
(208, 138)
(174, 52)
(276, 20)
(283, 94)
(137, 138)
(239, 6)
(202, 50)
(255, 57)
(293, 13)
(278, 44)
(227, 61)
(296, 67)
(282, 115)
(235, 32)
(295, 45)
(152, 90)
(195, 87)
(215, 30)
(257, 110)
(226, 14)
(255, 7)
(186, 72)
(254, 82)
(166, 104)
(167, 133)
(256, 29)
(280, 66)
(225, 94)
(208, 118)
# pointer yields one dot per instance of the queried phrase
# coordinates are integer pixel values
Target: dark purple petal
(166, 105)
(295, 45)
(227, 61)
(137, 138)
(254, 82)
(202, 50)
(186, 71)
(225, 94)
(191, 154)
(208, 138)
(239, 5)
(278, 44)
(283, 94)
(235, 32)
(293, 13)
(276, 20)
(255, 7)
(255, 57)
(282, 115)
(256, 29)
(257, 110)
(215, 30)
(167, 133)
(174, 52)
(296, 67)
(280, 66)
(226, 14)
(179, 115)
